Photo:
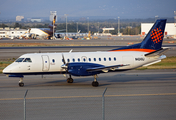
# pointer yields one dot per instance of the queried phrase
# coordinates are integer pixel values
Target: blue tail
(153, 39)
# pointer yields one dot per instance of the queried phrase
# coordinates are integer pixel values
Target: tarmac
(134, 94)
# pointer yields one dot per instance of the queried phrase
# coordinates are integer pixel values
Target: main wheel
(95, 84)
(21, 84)
(69, 80)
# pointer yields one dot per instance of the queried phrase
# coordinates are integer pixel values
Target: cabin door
(46, 64)
(84, 58)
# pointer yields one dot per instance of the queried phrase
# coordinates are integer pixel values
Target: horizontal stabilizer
(157, 52)
(106, 68)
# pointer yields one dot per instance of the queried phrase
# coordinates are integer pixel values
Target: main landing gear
(21, 84)
(95, 82)
(70, 79)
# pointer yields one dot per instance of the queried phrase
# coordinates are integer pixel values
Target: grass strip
(168, 63)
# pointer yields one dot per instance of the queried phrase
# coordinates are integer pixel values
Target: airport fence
(60, 108)
(42, 104)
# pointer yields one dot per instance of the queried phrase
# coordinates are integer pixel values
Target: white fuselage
(50, 63)
(38, 31)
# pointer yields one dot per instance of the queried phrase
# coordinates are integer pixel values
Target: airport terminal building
(11, 32)
(170, 29)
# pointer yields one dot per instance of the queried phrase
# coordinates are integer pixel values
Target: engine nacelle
(80, 69)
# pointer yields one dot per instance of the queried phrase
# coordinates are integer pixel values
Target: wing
(106, 68)
(87, 69)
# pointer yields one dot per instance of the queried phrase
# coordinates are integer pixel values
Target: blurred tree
(17, 25)
(3, 25)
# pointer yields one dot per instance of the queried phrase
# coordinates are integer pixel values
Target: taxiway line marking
(93, 96)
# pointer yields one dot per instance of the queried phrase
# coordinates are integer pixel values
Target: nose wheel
(21, 84)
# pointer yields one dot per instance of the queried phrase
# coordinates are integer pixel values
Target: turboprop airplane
(43, 32)
(148, 52)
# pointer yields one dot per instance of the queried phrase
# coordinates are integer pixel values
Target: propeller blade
(63, 59)
(65, 66)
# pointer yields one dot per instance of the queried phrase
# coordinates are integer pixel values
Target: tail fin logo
(156, 35)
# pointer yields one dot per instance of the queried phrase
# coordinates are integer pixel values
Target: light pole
(118, 25)
(77, 27)
(66, 23)
(174, 17)
(88, 24)
(175, 20)
(98, 27)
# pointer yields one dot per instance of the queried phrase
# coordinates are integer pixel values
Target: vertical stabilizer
(54, 20)
(53, 24)
(154, 38)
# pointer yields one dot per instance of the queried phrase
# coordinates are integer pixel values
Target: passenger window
(114, 58)
(94, 59)
(84, 59)
(109, 59)
(68, 60)
(27, 60)
(99, 59)
(78, 60)
(73, 60)
(104, 59)
(89, 59)
(19, 60)
(53, 61)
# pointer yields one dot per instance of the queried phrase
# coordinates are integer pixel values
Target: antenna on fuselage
(70, 50)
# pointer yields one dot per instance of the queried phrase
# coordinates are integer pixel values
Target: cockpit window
(19, 60)
(27, 60)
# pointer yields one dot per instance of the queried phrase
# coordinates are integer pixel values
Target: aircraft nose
(6, 70)
(11, 68)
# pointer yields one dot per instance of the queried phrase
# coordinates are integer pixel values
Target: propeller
(65, 65)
